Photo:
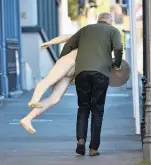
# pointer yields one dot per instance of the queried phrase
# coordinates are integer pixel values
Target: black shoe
(93, 152)
(80, 147)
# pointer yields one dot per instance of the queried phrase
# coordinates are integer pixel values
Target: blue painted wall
(48, 18)
(10, 31)
(10, 14)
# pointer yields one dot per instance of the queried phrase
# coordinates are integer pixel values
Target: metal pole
(3, 51)
(147, 62)
(19, 43)
(144, 81)
(143, 106)
(135, 87)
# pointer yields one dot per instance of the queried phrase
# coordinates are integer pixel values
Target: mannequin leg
(57, 93)
(60, 70)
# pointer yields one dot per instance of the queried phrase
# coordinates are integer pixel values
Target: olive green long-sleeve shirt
(95, 44)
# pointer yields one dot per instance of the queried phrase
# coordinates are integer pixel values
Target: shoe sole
(80, 150)
(95, 154)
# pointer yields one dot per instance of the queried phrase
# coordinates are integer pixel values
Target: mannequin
(52, 78)
(59, 81)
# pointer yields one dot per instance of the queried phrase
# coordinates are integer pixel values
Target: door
(12, 64)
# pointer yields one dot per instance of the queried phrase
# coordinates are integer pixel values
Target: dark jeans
(91, 89)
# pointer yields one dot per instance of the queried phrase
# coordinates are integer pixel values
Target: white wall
(37, 63)
(66, 26)
(28, 9)
(45, 61)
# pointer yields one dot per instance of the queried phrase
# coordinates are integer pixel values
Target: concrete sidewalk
(55, 142)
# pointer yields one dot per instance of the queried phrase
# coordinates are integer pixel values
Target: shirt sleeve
(118, 48)
(71, 44)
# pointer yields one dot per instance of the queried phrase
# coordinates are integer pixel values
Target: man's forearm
(66, 49)
(118, 48)
(118, 58)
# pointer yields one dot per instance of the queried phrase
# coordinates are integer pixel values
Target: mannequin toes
(35, 105)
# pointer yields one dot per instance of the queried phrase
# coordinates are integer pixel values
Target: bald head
(107, 17)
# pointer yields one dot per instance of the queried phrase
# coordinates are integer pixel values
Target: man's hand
(116, 72)
(117, 68)
(44, 45)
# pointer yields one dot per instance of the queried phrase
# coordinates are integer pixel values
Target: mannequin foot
(35, 105)
(26, 123)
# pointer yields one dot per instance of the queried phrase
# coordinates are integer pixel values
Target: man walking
(95, 44)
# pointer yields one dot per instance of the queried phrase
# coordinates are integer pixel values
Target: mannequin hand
(44, 45)
(73, 82)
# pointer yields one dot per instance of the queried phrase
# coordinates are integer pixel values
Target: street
(55, 141)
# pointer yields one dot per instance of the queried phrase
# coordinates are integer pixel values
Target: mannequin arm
(57, 40)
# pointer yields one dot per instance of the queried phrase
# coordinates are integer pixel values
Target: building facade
(10, 48)
(23, 26)
(40, 23)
